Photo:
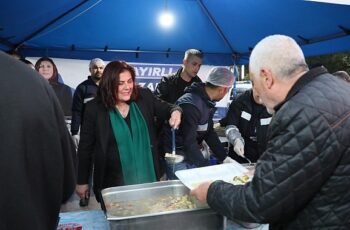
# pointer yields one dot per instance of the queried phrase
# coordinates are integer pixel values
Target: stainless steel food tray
(201, 217)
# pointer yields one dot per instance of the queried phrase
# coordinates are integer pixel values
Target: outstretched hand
(201, 191)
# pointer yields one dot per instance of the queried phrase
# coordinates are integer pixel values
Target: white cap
(220, 76)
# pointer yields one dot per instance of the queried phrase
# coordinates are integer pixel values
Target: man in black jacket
(37, 155)
(172, 87)
(302, 180)
(246, 125)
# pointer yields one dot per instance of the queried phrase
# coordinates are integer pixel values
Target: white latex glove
(228, 160)
(216, 125)
(238, 147)
(76, 139)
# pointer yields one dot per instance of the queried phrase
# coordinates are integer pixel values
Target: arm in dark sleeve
(162, 89)
(87, 143)
(188, 131)
(214, 142)
(77, 108)
(286, 178)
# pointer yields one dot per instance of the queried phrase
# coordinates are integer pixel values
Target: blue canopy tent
(225, 30)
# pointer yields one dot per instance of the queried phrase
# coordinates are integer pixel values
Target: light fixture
(166, 18)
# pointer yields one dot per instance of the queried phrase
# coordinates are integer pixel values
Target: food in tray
(240, 180)
(149, 206)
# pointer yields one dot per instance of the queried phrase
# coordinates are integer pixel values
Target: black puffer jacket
(302, 180)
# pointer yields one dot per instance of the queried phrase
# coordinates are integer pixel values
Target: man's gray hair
(342, 75)
(94, 61)
(279, 53)
(193, 52)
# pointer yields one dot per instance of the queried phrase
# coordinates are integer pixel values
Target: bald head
(279, 53)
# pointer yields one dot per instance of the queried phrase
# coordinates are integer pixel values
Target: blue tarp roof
(225, 30)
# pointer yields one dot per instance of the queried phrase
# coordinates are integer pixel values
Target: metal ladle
(172, 158)
(247, 159)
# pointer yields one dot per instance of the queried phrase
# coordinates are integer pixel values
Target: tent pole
(216, 26)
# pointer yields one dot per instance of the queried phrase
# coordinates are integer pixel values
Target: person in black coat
(37, 155)
(302, 179)
(48, 70)
(85, 92)
(171, 87)
(118, 134)
(246, 123)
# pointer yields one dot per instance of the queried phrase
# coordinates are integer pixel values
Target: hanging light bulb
(166, 18)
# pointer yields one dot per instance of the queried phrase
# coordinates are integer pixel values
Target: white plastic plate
(191, 178)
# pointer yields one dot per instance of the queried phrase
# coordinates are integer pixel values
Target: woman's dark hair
(54, 77)
(108, 87)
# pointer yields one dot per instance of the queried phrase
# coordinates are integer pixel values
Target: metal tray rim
(107, 192)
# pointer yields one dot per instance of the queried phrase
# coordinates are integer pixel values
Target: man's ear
(267, 78)
(223, 90)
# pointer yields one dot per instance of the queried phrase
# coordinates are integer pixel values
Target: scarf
(134, 147)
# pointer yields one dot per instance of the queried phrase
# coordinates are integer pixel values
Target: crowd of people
(295, 132)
